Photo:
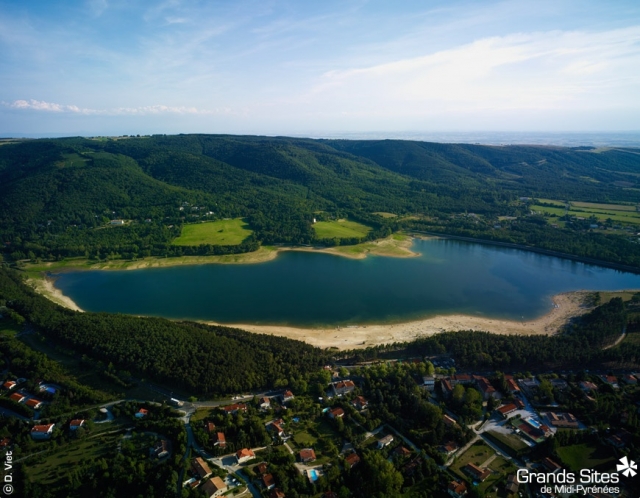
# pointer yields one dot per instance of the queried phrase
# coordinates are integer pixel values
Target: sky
(276, 67)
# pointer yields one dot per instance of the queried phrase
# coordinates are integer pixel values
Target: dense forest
(57, 196)
(199, 358)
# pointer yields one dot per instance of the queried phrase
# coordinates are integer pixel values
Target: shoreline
(393, 247)
(567, 306)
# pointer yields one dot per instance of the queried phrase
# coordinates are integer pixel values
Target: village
(487, 427)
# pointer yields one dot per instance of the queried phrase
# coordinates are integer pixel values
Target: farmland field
(621, 213)
(219, 233)
(341, 229)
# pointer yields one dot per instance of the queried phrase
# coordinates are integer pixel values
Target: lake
(313, 289)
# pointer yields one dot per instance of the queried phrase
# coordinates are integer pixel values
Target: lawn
(54, 466)
(622, 216)
(341, 229)
(217, 233)
(510, 441)
(586, 456)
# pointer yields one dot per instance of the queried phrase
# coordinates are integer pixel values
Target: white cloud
(39, 105)
(544, 70)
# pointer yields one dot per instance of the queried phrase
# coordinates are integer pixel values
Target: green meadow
(341, 229)
(218, 233)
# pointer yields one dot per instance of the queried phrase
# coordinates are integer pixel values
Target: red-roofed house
(457, 489)
(42, 431)
(287, 396)
(360, 402)
(265, 403)
(276, 427)
(235, 408)
(343, 387)
(75, 423)
(486, 388)
(17, 397)
(505, 410)
(476, 472)
(219, 439)
(268, 481)
(209, 426)
(335, 413)
(142, 413)
(307, 455)
(244, 454)
(513, 386)
(352, 460)
(33, 403)
(200, 467)
(10, 384)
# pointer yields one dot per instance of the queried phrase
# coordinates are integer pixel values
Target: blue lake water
(312, 289)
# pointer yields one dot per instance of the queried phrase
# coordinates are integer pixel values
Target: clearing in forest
(218, 233)
(341, 229)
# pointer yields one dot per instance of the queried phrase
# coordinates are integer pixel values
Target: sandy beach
(569, 305)
(45, 287)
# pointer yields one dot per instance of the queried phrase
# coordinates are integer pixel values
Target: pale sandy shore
(569, 305)
(47, 289)
(565, 307)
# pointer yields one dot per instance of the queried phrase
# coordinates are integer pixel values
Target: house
(335, 413)
(513, 386)
(611, 380)
(277, 493)
(487, 390)
(447, 388)
(476, 472)
(276, 427)
(42, 431)
(142, 413)
(343, 387)
(33, 403)
(4, 443)
(512, 485)
(352, 460)
(360, 402)
(268, 481)
(265, 403)
(17, 397)
(630, 379)
(563, 420)
(261, 468)
(307, 455)
(160, 449)
(448, 421)
(449, 448)
(287, 396)
(401, 451)
(219, 439)
(244, 454)
(209, 427)
(505, 410)
(550, 465)
(457, 489)
(385, 441)
(214, 487)
(461, 379)
(429, 382)
(200, 467)
(75, 423)
(588, 386)
(235, 408)
(10, 384)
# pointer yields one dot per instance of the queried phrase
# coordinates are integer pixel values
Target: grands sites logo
(587, 481)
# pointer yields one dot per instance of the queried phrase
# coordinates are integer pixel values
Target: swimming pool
(534, 423)
(313, 475)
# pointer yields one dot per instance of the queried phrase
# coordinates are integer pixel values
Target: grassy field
(586, 456)
(54, 466)
(396, 245)
(621, 213)
(218, 233)
(341, 229)
(509, 440)
(478, 454)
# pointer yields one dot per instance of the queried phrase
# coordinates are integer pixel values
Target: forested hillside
(57, 197)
